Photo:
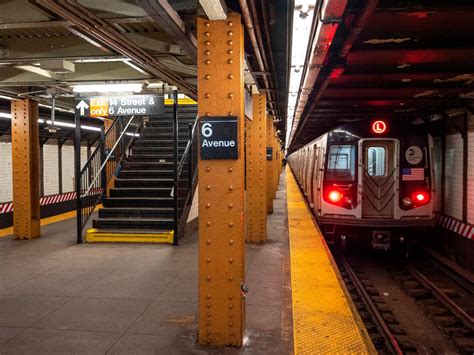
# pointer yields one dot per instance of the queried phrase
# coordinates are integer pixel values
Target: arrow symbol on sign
(82, 106)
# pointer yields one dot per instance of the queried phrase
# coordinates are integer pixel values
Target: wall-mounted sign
(133, 105)
(414, 155)
(218, 138)
(269, 153)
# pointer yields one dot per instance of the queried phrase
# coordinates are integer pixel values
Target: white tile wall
(453, 202)
(50, 166)
(68, 168)
(84, 156)
(470, 179)
(6, 190)
(437, 152)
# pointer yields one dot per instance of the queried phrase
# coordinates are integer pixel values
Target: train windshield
(341, 163)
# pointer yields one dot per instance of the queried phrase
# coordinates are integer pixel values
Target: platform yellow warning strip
(47, 220)
(324, 318)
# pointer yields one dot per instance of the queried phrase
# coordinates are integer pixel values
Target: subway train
(370, 181)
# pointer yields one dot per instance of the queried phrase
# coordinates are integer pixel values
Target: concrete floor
(57, 297)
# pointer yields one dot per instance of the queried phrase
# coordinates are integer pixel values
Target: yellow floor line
(45, 221)
(324, 318)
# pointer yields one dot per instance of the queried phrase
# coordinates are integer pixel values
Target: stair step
(129, 236)
(138, 202)
(133, 223)
(147, 165)
(141, 192)
(147, 142)
(143, 212)
(163, 157)
(132, 182)
(158, 149)
(139, 174)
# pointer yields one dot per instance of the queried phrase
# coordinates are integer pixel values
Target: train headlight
(407, 202)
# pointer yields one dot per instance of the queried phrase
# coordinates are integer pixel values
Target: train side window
(376, 161)
(341, 163)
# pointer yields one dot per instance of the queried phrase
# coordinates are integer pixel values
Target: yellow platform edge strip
(45, 221)
(325, 320)
(96, 236)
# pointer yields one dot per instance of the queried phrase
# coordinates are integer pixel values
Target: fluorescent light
(57, 108)
(62, 124)
(107, 88)
(131, 134)
(98, 60)
(5, 97)
(303, 14)
(131, 65)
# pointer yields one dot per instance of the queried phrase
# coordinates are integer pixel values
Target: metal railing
(185, 173)
(102, 166)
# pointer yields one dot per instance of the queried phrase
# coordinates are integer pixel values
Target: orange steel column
(221, 186)
(256, 211)
(269, 145)
(25, 167)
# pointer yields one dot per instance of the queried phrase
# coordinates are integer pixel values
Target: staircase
(140, 206)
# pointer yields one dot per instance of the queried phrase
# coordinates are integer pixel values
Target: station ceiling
(389, 59)
(150, 42)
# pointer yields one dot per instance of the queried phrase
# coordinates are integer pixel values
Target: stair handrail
(185, 189)
(85, 203)
(188, 145)
(104, 163)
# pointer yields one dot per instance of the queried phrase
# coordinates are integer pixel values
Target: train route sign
(133, 105)
(218, 138)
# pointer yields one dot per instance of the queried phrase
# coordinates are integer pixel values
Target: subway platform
(58, 297)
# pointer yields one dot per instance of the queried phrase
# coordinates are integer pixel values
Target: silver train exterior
(372, 180)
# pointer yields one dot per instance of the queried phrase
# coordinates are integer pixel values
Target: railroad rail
(364, 298)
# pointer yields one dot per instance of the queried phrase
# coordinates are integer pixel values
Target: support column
(26, 169)
(221, 186)
(270, 158)
(256, 228)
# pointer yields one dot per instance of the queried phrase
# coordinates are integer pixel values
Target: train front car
(375, 183)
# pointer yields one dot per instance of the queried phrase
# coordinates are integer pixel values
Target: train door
(378, 177)
(317, 180)
(309, 181)
(314, 172)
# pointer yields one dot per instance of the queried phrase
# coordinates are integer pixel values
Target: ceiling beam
(214, 9)
(169, 21)
(46, 24)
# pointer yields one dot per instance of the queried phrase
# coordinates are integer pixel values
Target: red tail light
(335, 196)
(420, 198)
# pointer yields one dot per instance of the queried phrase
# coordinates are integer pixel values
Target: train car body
(369, 180)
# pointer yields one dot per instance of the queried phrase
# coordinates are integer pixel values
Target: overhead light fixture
(56, 108)
(107, 88)
(57, 123)
(6, 97)
(131, 65)
(303, 14)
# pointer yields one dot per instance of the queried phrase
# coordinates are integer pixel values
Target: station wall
(53, 200)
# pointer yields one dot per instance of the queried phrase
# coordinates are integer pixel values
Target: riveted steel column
(25, 163)
(256, 218)
(270, 174)
(221, 186)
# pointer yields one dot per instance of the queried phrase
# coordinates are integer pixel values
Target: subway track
(411, 306)
(445, 295)
(383, 328)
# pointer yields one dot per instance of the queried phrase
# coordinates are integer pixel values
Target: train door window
(341, 163)
(376, 157)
